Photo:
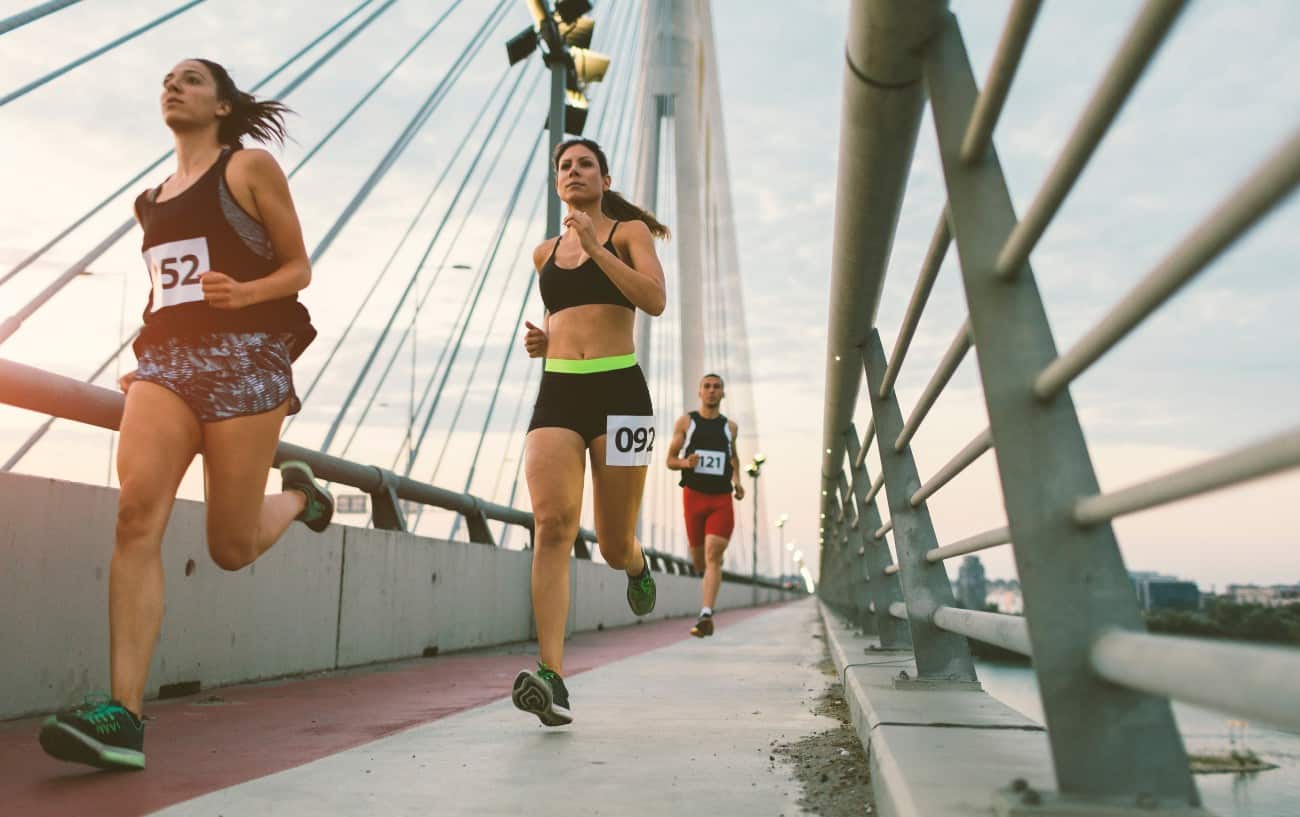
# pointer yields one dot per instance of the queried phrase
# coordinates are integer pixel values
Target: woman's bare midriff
(590, 331)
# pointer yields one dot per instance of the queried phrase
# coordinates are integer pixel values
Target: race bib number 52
(629, 441)
(175, 268)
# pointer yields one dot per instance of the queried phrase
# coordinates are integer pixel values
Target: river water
(1274, 793)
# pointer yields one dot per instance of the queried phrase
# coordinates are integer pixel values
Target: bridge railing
(1105, 683)
(36, 390)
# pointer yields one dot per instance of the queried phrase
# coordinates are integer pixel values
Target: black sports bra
(585, 284)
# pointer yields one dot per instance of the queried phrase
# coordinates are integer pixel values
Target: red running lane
(196, 746)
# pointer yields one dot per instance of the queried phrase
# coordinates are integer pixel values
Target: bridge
(367, 671)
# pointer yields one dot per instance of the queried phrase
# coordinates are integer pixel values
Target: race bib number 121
(629, 441)
(175, 268)
(713, 463)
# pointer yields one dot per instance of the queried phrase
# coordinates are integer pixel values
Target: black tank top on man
(201, 229)
(711, 439)
(584, 284)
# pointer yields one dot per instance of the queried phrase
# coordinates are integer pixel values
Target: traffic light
(567, 34)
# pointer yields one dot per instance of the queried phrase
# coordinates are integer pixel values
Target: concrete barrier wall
(346, 597)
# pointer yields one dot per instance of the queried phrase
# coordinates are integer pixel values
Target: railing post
(1107, 741)
(386, 508)
(940, 655)
(881, 590)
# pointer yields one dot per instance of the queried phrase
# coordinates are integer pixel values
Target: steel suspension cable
(31, 15)
(514, 199)
(410, 228)
(422, 115)
(511, 267)
(378, 344)
(26, 262)
(103, 49)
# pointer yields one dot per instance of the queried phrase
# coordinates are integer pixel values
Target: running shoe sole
(532, 694)
(61, 741)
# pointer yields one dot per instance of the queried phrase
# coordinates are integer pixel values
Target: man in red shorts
(704, 450)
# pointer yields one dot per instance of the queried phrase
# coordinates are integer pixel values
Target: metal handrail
(36, 390)
(1245, 681)
(971, 544)
(1253, 461)
(920, 296)
(1006, 631)
(1011, 47)
(866, 444)
(975, 449)
(1141, 44)
(948, 366)
(1271, 182)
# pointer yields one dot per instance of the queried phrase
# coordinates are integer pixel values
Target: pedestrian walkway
(665, 724)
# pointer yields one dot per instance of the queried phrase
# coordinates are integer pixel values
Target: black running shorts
(582, 402)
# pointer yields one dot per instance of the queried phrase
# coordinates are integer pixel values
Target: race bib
(713, 463)
(629, 441)
(175, 268)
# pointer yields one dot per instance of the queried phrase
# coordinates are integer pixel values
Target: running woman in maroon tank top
(225, 255)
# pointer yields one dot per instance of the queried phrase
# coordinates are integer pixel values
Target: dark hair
(261, 119)
(612, 204)
(711, 374)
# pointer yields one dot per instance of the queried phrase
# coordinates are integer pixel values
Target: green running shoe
(543, 694)
(641, 591)
(100, 733)
(319, 510)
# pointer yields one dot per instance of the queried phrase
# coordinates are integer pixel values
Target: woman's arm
(260, 187)
(641, 281)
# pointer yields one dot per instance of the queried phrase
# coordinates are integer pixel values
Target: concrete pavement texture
(665, 724)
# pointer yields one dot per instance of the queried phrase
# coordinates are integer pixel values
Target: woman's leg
(554, 469)
(243, 522)
(159, 438)
(616, 497)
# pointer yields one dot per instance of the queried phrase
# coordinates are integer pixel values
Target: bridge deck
(665, 724)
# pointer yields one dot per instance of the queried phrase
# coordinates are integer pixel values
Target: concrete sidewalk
(674, 726)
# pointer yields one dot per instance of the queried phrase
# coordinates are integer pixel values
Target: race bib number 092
(713, 463)
(175, 268)
(629, 441)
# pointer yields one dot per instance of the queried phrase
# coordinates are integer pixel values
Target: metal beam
(939, 654)
(1106, 741)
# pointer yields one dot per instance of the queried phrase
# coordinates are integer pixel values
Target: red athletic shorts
(707, 515)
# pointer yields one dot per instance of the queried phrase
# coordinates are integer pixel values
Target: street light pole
(754, 469)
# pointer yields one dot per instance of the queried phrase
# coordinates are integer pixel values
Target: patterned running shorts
(221, 375)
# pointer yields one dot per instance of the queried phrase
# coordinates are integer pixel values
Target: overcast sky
(1216, 369)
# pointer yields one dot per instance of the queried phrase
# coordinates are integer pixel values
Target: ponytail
(613, 204)
(262, 120)
(620, 209)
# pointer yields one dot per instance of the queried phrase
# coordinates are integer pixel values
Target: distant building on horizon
(1160, 591)
(1276, 595)
(972, 587)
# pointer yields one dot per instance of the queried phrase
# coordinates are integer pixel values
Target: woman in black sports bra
(593, 398)
(225, 255)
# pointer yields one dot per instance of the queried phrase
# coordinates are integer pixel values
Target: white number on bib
(629, 440)
(713, 463)
(175, 268)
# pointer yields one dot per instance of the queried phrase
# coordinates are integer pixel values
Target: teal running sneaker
(543, 694)
(100, 733)
(641, 591)
(319, 510)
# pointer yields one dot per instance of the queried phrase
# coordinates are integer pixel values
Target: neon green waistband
(591, 366)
